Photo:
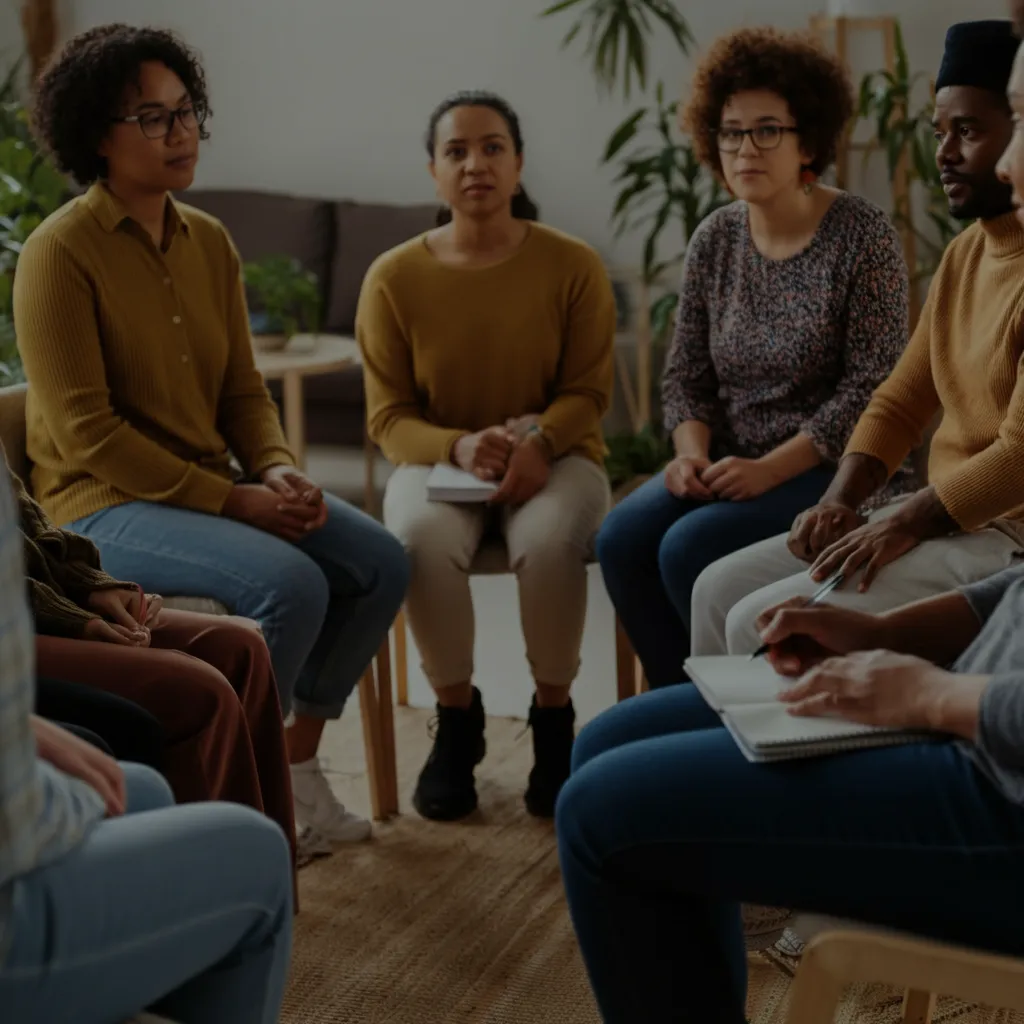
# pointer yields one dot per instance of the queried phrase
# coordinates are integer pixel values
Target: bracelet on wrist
(536, 434)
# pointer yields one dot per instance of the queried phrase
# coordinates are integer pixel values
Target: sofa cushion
(363, 231)
(270, 224)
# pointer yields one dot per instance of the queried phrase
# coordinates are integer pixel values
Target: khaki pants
(732, 592)
(549, 542)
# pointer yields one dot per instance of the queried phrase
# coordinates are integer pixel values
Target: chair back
(12, 428)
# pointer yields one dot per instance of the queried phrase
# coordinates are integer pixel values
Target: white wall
(329, 97)
(10, 34)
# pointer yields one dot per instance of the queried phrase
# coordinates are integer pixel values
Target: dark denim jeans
(664, 828)
(653, 546)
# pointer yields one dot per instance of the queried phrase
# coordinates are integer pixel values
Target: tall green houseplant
(663, 190)
(31, 188)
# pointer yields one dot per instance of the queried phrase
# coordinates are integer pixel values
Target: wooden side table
(331, 354)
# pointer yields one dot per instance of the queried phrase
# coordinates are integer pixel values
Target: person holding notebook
(664, 825)
(963, 363)
(487, 344)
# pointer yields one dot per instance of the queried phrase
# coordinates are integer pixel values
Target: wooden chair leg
(375, 769)
(369, 474)
(386, 716)
(816, 990)
(918, 1007)
(625, 663)
(401, 660)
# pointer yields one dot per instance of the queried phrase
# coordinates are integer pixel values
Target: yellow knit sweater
(448, 350)
(139, 361)
(966, 358)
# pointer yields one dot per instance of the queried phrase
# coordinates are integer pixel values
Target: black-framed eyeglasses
(764, 136)
(158, 124)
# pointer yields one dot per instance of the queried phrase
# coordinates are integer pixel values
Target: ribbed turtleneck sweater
(964, 359)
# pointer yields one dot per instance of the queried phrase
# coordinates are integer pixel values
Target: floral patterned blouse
(765, 349)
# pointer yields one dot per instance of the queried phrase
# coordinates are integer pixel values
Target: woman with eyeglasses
(132, 324)
(793, 308)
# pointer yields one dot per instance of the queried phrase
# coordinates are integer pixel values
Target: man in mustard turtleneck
(964, 363)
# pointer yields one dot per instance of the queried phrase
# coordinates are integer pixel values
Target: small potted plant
(287, 301)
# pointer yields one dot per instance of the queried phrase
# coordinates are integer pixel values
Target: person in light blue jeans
(149, 427)
(183, 910)
(112, 900)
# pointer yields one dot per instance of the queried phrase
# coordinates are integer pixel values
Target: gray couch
(337, 240)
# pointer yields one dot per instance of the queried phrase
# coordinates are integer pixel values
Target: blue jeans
(664, 828)
(325, 604)
(653, 546)
(185, 910)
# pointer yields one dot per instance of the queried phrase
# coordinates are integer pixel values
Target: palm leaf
(623, 134)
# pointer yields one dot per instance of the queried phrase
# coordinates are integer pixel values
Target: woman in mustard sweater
(487, 343)
(131, 321)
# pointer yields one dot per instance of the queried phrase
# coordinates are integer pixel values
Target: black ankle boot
(446, 789)
(553, 735)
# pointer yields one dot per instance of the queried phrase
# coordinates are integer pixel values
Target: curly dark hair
(793, 65)
(81, 90)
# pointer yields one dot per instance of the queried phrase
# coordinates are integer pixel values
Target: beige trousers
(732, 592)
(549, 541)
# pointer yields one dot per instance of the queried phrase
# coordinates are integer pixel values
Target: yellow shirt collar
(111, 212)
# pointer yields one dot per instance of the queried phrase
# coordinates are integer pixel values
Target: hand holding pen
(834, 581)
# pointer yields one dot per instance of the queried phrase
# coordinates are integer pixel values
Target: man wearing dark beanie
(964, 363)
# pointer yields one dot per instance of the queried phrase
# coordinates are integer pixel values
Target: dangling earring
(518, 189)
(807, 180)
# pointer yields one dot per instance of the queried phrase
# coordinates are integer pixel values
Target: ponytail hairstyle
(523, 207)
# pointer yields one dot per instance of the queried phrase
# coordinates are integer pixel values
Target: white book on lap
(745, 693)
(449, 483)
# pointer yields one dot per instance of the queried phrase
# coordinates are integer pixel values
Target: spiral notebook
(744, 692)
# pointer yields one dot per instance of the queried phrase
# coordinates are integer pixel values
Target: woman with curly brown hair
(132, 324)
(793, 308)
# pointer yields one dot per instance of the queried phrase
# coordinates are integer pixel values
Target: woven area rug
(466, 923)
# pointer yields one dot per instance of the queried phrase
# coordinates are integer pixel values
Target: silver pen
(817, 597)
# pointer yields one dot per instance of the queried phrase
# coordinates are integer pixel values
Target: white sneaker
(317, 807)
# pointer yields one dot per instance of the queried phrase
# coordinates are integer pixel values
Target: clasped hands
(506, 454)
(285, 503)
(731, 478)
(125, 616)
